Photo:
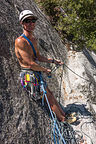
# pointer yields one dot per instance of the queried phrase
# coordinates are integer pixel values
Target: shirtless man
(27, 58)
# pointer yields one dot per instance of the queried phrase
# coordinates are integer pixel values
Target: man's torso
(22, 47)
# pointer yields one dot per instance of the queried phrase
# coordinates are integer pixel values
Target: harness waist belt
(26, 69)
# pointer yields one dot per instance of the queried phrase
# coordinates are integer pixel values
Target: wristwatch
(52, 60)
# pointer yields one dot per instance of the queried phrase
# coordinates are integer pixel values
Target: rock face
(78, 91)
(23, 121)
(80, 78)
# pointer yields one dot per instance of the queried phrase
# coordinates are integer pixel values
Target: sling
(23, 35)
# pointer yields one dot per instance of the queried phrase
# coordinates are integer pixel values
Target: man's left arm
(49, 60)
(45, 59)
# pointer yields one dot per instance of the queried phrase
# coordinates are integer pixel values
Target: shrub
(74, 20)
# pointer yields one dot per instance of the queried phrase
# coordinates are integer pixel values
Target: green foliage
(74, 19)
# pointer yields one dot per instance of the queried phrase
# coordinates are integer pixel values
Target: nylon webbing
(23, 35)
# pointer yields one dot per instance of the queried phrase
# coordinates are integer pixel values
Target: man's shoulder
(20, 41)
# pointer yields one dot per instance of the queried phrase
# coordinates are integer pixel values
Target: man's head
(25, 14)
(27, 19)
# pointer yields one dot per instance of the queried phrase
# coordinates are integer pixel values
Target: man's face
(29, 24)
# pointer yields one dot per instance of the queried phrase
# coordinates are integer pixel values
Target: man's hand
(58, 62)
(48, 71)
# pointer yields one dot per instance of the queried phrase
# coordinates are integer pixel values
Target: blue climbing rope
(54, 121)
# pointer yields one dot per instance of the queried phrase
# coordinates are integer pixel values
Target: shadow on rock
(79, 109)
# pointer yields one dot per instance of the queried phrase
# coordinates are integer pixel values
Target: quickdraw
(30, 82)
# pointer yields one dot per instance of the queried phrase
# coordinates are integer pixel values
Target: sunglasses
(30, 20)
